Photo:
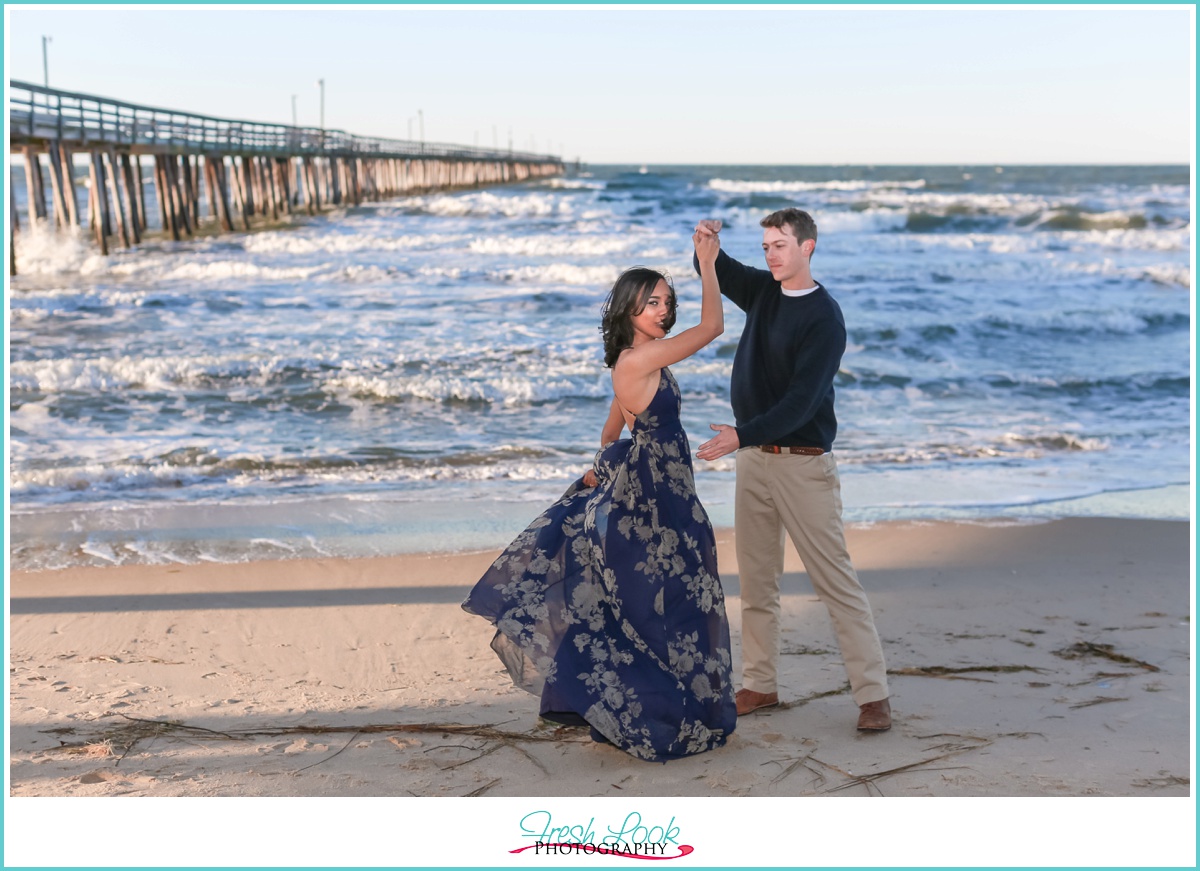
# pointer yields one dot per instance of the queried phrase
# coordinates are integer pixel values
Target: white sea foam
(1115, 219)
(104, 374)
(574, 184)
(67, 479)
(1180, 276)
(549, 246)
(756, 187)
(1178, 239)
(558, 273)
(444, 273)
(1082, 321)
(484, 204)
(197, 266)
(293, 243)
(936, 202)
(356, 274)
(1062, 441)
(509, 389)
(867, 221)
(986, 243)
(41, 251)
(87, 482)
(224, 269)
(1010, 445)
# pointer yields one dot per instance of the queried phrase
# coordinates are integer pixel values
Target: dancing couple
(609, 605)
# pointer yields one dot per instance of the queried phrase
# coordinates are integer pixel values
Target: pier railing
(242, 172)
(38, 114)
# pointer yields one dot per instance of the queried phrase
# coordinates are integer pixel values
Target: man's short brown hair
(799, 222)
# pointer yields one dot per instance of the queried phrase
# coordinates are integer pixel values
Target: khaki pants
(802, 495)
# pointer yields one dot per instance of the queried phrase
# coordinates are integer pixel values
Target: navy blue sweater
(786, 360)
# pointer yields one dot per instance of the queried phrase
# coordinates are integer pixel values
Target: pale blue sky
(677, 85)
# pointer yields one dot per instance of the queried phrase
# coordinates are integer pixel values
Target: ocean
(426, 373)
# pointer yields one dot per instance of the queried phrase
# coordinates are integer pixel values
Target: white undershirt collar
(795, 293)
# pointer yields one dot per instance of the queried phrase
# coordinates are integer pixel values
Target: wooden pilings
(98, 204)
(62, 217)
(34, 187)
(238, 190)
(12, 235)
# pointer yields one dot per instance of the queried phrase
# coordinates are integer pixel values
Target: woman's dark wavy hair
(628, 298)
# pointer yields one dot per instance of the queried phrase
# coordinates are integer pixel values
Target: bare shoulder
(633, 383)
(627, 363)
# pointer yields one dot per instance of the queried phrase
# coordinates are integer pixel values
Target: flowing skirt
(610, 608)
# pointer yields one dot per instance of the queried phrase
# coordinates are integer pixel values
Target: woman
(609, 605)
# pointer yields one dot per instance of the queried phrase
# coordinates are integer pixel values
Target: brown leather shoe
(749, 700)
(875, 716)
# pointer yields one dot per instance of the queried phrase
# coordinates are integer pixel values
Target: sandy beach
(1039, 659)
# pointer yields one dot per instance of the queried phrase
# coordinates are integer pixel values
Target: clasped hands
(726, 440)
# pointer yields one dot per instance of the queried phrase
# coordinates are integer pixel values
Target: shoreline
(54, 538)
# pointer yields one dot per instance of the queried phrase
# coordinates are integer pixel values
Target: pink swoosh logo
(684, 850)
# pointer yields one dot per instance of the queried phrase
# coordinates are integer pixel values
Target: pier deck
(238, 170)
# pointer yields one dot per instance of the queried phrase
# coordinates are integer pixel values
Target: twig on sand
(137, 728)
(531, 757)
(158, 726)
(802, 762)
(795, 703)
(958, 745)
(1099, 701)
(1091, 648)
(869, 780)
(487, 752)
(1100, 675)
(327, 758)
(482, 789)
(948, 673)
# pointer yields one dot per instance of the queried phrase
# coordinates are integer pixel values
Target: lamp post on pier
(294, 138)
(421, 123)
(321, 85)
(46, 60)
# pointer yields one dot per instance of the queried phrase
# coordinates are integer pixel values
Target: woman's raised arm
(644, 359)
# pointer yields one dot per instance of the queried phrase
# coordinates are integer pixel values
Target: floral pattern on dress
(609, 604)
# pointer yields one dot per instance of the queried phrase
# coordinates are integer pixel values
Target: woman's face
(659, 307)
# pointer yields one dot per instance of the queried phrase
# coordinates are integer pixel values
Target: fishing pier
(241, 171)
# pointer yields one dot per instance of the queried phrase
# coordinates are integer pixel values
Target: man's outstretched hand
(724, 442)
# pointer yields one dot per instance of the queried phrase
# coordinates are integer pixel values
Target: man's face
(786, 258)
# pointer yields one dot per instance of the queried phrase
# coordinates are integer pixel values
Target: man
(787, 479)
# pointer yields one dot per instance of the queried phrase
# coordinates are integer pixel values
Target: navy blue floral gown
(609, 604)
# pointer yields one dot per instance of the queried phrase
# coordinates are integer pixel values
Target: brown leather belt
(784, 449)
